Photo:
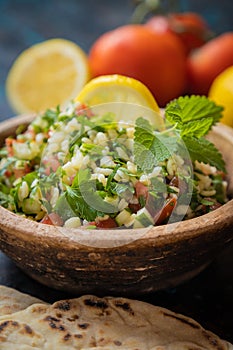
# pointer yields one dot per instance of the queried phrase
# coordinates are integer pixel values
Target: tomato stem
(144, 8)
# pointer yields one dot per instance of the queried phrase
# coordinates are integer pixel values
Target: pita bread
(91, 323)
(12, 301)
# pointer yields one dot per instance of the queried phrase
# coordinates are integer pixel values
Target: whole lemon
(221, 92)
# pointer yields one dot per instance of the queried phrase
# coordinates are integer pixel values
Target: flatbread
(91, 323)
(12, 300)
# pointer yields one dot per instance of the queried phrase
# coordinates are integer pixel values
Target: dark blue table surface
(208, 298)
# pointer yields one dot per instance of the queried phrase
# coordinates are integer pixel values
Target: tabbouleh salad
(73, 168)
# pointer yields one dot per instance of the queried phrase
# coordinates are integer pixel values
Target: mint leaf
(84, 198)
(151, 148)
(204, 151)
(78, 204)
(197, 129)
(144, 125)
(190, 109)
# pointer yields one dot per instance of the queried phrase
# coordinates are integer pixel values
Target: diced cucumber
(123, 218)
(143, 219)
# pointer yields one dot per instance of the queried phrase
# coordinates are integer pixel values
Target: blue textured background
(26, 22)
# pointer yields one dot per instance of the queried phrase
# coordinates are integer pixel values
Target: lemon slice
(45, 75)
(118, 88)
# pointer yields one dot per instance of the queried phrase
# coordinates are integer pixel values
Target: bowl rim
(26, 229)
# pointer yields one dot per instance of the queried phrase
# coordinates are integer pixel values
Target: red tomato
(51, 164)
(190, 28)
(207, 62)
(52, 219)
(156, 59)
(166, 211)
(134, 207)
(21, 172)
(141, 190)
(105, 224)
(9, 143)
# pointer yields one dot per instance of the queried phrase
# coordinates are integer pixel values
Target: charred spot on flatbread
(124, 306)
(83, 325)
(67, 336)
(6, 324)
(63, 305)
(28, 329)
(54, 323)
(93, 302)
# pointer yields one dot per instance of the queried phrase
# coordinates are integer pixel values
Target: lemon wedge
(117, 88)
(45, 75)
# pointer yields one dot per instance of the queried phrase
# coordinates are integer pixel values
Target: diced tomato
(52, 219)
(105, 224)
(22, 172)
(135, 207)
(91, 223)
(141, 190)
(166, 211)
(83, 109)
(51, 165)
(8, 173)
(9, 142)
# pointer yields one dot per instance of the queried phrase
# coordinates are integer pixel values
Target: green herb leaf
(197, 129)
(111, 177)
(204, 151)
(78, 205)
(193, 115)
(50, 116)
(158, 186)
(5, 199)
(151, 148)
(84, 198)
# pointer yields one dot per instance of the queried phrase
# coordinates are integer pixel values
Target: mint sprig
(193, 115)
(191, 118)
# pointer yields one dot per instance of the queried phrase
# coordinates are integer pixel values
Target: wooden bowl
(128, 262)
